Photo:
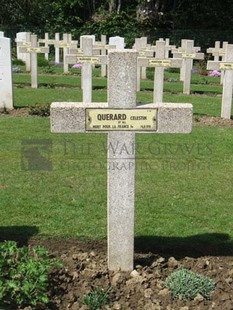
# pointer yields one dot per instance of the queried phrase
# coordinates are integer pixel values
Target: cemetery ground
(183, 210)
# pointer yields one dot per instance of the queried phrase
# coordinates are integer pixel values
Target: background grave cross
(65, 45)
(46, 41)
(24, 39)
(219, 54)
(34, 49)
(142, 47)
(227, 67)
(84, 117)
(215, 51)
(87, 60)
(101, 48)
(188, 55)
(159, 62)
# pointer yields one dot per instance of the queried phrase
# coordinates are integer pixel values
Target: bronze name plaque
(121, 119)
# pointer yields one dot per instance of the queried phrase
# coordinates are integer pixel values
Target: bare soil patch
(85, 267)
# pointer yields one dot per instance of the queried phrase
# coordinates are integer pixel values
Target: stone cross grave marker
(182, 49)
(215, 51)
(227, 67)
(101, 48)
(121, 119)
(6, 86)
(223, 54)
(219, 53)
(65, 44)
(87, 60)
(159, 62)
(141, 46)
(46, 41)
(168, 46)
(24, 39)
(102, 45)
(57, 49)
(118, 42)
(1, 34)
(188, 55)
(34, 49)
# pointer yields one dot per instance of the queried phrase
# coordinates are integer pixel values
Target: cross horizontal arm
(213, 65)
(189, 55)
(38, 50)
(69, 117)
(73, 59)
(154, 62)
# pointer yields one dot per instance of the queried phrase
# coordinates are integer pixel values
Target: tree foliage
(143, 17)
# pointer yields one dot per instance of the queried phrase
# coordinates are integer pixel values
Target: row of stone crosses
(92, 52)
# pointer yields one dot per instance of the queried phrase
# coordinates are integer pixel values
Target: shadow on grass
(20, 234)
(194, 246)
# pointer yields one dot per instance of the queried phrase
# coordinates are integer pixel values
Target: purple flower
(77, 66)
(214, 73)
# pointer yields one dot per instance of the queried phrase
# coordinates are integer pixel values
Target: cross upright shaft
(122, 94)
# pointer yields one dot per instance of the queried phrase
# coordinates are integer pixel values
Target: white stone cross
(101, 48)
(219, 54)
(121, 119)
(34, 49)
(215, 51)
(6, 86)
(24, 39)
(87, 60)
(65, 44)
(182, 49)
(46, 41)
(141, 46)
(160, 62)
(188, 55)
(227, 67)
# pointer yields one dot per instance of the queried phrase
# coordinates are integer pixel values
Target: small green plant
(173, 70)
(18, 62)
(48, 69)
(24, 274)
(187, 284)
(41, 61)
(96, 298)
(197, 118)
(40, 110)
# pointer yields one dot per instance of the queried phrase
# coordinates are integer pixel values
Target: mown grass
(183, 182)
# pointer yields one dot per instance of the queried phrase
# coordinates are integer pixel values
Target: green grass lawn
(183, 182)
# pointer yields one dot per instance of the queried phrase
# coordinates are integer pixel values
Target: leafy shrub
(173, 70)
(18, 62)
(41, 61)
(96, 298)
(48, 69)
(187, 284)
(39, 110)
(24, 274)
